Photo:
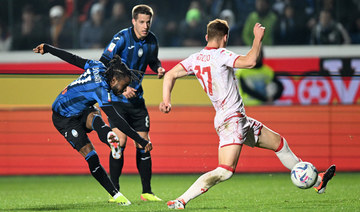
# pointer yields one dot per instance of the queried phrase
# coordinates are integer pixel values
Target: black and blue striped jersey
(136, 54)
(89, 88)
(85, 91)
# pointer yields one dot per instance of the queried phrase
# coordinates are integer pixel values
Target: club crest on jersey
(140, 52)
(74, 133)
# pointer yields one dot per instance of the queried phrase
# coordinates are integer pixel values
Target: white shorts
(239, 130)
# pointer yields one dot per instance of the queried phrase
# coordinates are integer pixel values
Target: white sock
(206, 181)
(286, 156)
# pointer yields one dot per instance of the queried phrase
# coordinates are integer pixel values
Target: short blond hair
(217, 28)
(141, 9)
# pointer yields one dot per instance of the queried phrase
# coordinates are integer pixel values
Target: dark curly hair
(119, 70)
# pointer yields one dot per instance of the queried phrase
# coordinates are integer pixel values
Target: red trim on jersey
(229, 168)
(281, 144)
(235, 61)
(183, 67)
(209, 48)
(238, 114)
(231, 144)
(260, 130)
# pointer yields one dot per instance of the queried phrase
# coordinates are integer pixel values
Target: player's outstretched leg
(202, 185)
(176, 204)
(325, 178)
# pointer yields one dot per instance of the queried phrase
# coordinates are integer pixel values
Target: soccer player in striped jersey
(214, 68)
(74, 114)
(138, 47)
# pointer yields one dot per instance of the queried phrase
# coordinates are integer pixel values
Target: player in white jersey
(213, 66)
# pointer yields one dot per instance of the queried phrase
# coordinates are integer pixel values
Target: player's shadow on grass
(59, 207)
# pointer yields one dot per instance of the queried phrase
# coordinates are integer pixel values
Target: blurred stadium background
(318, 110)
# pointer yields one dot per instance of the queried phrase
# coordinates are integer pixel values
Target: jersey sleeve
(89, 64)
(155, 62)
(115, 46)
(66, 56)
(228, 57)
(187, 64)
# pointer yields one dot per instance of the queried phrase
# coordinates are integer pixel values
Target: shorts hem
(230, 145)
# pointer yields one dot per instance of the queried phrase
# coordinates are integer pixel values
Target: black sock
(98, 172)
(143, 163)
(101, 128)
(116, 166)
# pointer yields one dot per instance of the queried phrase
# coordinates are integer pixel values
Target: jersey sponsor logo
(111, 47)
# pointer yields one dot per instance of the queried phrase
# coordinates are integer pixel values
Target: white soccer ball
(304, 175)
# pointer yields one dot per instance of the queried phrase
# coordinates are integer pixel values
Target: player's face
(119, 86)
(142, 25)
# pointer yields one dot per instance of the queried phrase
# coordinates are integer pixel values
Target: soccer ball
(304, 175)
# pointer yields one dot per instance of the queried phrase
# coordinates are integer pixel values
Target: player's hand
(130, 92)
(165, 108)
(259, 31)
(161, 72)
(39, 49)
(148, 147)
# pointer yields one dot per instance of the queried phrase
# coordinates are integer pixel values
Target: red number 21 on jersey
(205, 73)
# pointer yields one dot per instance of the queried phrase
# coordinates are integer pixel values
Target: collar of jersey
(209, 48)
(134, 35)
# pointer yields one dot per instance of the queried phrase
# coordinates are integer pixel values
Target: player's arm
(249, 60)
(122, 125)
(169, 81)
(155, 64)
(62, 54)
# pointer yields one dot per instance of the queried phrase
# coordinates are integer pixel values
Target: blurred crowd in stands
(85, 24)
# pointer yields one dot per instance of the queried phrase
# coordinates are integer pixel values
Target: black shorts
(135, 114)
(74, 128)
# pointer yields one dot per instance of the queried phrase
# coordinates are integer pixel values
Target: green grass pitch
(243, 192)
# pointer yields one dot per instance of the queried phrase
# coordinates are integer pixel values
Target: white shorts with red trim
(238, 130)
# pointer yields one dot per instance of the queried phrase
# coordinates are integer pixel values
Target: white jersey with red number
(213, 68)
